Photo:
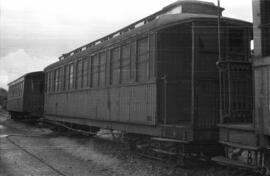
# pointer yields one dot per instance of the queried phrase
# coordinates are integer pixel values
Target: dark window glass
(79, 74)
(236, 40)
(208, 40)
(102, 69)
(71, 76)
(125, 63)
(115, 66)
(61, 78)
(95, 70)
(36, 87)
(66, 77)
(142, 60)
(52, 81)
(85, 72)
(47, 82)
(56, 80)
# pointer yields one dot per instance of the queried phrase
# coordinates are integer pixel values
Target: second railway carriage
(156, 77)
(3, 99)
(26, 96)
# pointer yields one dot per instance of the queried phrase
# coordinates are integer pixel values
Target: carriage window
(19, 92)
(236, 40)
(16, 90)
(102, 69)
(142, 59)
(79, 74)
(12, 91)
(61, 78)
(95, 70)
(47, 82)
(208, 39)
(85, 72)
(71, 76)
(36, 86)
(21, 88)
(52, 81)
(56, 80)
(125, 63)
(115, 66)
(66, 77)
(18, 87)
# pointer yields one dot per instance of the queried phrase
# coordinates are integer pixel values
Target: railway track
(9, 139)
(169, 158)
(28, 134)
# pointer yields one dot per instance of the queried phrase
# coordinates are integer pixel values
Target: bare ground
(49, 153)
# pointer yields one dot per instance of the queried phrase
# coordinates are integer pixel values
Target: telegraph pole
(219, 37)
(219, 64)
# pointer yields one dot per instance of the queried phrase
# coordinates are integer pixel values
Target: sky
(34, 33)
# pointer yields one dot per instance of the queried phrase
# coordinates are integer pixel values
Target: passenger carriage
(157, 78)
(26, 96)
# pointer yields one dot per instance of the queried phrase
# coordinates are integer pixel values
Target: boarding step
(235, 145)
(164, 152)
(180, 132)
(225, 161)
(169, 140)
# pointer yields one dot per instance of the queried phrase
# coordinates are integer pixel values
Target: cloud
(35, 32)
(18, 63)
(3, 79)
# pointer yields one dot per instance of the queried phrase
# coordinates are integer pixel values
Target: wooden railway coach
(156, 77)
(26, 96)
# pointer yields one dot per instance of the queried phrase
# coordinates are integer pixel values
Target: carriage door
(206, 82)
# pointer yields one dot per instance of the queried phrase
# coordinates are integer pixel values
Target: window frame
(147, 53)
(71, 76)
(102, 84)
(79, 74)
(85, 63)
(128, 45)
(95, 70)
(111, 65)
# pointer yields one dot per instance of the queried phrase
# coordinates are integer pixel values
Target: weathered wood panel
(128, 104)
(174, 69)
(262, 96)
(238, 134)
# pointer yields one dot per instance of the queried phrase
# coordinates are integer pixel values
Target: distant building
(3, 98)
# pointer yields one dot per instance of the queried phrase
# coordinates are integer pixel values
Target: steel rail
(33, 155)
